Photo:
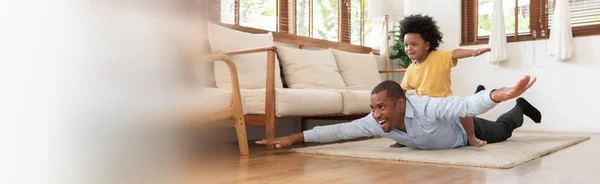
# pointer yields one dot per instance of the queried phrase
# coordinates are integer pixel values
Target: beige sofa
(282, 75)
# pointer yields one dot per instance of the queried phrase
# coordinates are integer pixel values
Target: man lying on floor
(421, 122)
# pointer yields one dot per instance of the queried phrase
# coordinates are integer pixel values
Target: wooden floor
(576, 164)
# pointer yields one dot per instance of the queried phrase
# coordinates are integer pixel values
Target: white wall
(564, 90)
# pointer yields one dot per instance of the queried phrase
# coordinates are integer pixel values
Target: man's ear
(401, 103)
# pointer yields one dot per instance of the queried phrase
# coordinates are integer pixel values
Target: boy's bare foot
(397, 145)
(476, 142)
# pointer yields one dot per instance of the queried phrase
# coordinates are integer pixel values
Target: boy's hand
(481, 51)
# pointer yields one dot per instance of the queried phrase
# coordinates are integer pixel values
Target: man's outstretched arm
(446, 108)
(365, 126)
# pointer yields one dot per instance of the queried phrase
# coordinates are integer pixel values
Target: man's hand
(282, 142)
(481, 51)
(504, 94)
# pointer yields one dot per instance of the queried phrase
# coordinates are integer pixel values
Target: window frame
(538, 20)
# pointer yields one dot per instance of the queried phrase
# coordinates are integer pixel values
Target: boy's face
(415, 46)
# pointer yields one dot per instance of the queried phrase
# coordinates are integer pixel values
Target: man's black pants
(501, 129)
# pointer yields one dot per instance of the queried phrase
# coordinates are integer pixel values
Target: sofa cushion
(359, 71)
(310, 69)
(207, 100)
(252, 68)
(295, 102)
(356, 102)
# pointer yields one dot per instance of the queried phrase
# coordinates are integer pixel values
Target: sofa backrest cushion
(310, 69)
(252, 68)
(359, 71)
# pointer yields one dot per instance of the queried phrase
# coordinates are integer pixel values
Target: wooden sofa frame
(269, 119)
(233, 112)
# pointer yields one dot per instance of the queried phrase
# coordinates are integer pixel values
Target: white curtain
(560, 47)
(498, 35)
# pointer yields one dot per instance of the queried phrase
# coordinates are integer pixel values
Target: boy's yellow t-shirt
(431, 77)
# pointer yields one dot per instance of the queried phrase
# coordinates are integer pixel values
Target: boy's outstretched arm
(463, 53)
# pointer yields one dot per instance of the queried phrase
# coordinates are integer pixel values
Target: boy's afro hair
(423, 25)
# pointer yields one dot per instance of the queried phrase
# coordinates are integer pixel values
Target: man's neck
(401, 125)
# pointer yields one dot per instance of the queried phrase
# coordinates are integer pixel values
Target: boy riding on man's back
(429, 73)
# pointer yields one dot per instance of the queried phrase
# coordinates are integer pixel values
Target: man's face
(386, 111)
(415, 46)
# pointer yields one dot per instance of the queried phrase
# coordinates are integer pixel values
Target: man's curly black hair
(423, 25)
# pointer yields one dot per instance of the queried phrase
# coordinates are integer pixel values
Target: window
(364, 31)
(356, 24)
(333, 20)
(485, 19)
(303, 17)
(318, 19)
(583, 12)
(325, 19)
(227, 11)
(261, 14)
(525, 19)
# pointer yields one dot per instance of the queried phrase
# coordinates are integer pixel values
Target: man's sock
(479, 88)
(529, 110)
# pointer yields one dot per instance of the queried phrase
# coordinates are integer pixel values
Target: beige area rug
(518, 149)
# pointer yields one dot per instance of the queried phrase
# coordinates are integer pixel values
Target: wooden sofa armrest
(235, 110)
(236, 100)
(252, 50)
(393, 70)
(270, 87)
(269, 90)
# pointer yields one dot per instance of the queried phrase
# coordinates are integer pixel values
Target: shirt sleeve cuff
(487, 97)
(310, 136)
